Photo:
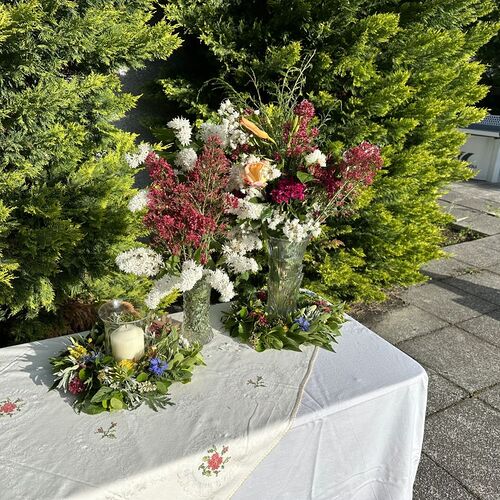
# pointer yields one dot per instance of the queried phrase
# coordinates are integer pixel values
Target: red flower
(288, 189)
(76, 385)
(305, 109)
(215, 461)
(8, 407)
(188, 214)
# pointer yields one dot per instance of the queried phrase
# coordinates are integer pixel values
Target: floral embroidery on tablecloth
(214, 462)
(258, 382)
(110, 432)
(8, 407)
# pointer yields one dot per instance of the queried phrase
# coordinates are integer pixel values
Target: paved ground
(451, 326)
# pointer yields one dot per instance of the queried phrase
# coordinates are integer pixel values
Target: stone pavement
(451, 326)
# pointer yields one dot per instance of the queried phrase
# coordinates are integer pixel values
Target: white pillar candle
(127, 342)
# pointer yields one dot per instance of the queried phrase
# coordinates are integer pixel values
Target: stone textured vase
(196, 323)
(285, 275)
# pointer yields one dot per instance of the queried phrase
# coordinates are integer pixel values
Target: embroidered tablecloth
(357, 434)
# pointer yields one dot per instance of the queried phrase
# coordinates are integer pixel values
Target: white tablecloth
(356, 436)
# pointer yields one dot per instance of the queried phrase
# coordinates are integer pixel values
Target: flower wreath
(100, 383)
(315, 321)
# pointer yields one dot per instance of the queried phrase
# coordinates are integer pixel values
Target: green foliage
(64, 181)
(110, 385)
(252, 324)
(400, 74)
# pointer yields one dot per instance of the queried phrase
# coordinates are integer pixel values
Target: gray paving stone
(484, 284)
(465, 440)
(459, 356)
(482, 223)
(446, 302)
(460, 213)
(491, 396)
(447, 268)
(441, 392)
(403, 323)
(483, 205)
(479, 253)
(434, 483)
(487, 327)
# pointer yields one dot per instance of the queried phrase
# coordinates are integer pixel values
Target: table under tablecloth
(356, 436)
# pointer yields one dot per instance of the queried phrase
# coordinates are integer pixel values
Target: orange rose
(254, 174)
(254, 129)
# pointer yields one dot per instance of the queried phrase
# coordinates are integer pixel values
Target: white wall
(485, 156)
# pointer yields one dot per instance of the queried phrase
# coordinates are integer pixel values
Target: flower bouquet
(187, 213)
(101, 383)
(283, 188)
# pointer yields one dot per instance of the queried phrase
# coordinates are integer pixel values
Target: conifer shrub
(396, 73)
(64, 181)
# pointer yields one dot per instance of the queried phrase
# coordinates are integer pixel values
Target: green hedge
(400, 74)
(64, 181)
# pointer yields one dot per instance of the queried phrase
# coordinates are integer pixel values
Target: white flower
(316, 157)
(243, 241)
(226, 108)
(295, 231)
(182, 129)
(190, 275)
(139, 261)
(276, 219)
(184, 342)
(122, 70)
(220, 281)
(247, 209)
(208, 129)
(161, 288)
(186, 158)
(239, 263)
(139, 201)
(136, 159)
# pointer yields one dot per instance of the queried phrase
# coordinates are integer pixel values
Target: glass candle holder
(124, 329)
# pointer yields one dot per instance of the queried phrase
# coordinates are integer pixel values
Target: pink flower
(288, 189)
(8, 407)
(76, 386)
(305, 109)
(215, 461)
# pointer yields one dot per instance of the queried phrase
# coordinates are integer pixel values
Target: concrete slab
(478, 253)
(447, 267)
(403, 323)
(460, 213)
(457, 355)
(442, 393)
(447, 303)
(492, 397)
(486, 327)
(434, 483)
(482, 223)
(465, 440)
(484, 284)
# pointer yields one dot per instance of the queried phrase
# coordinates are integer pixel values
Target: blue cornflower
(303, 323)
(89, 358)
(157, 366)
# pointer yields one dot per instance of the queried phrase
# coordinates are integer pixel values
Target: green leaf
(304, 177)
(161, 387)
(142, 377)
(116, 404)
(91, 409)
(102, 393)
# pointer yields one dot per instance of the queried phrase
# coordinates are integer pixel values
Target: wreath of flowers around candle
(315, 321)
(100, 383)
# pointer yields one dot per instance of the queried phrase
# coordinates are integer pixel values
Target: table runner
(223, 424)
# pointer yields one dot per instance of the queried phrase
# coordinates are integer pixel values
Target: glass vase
(285, 275)
(196, 322)
(124, 329)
